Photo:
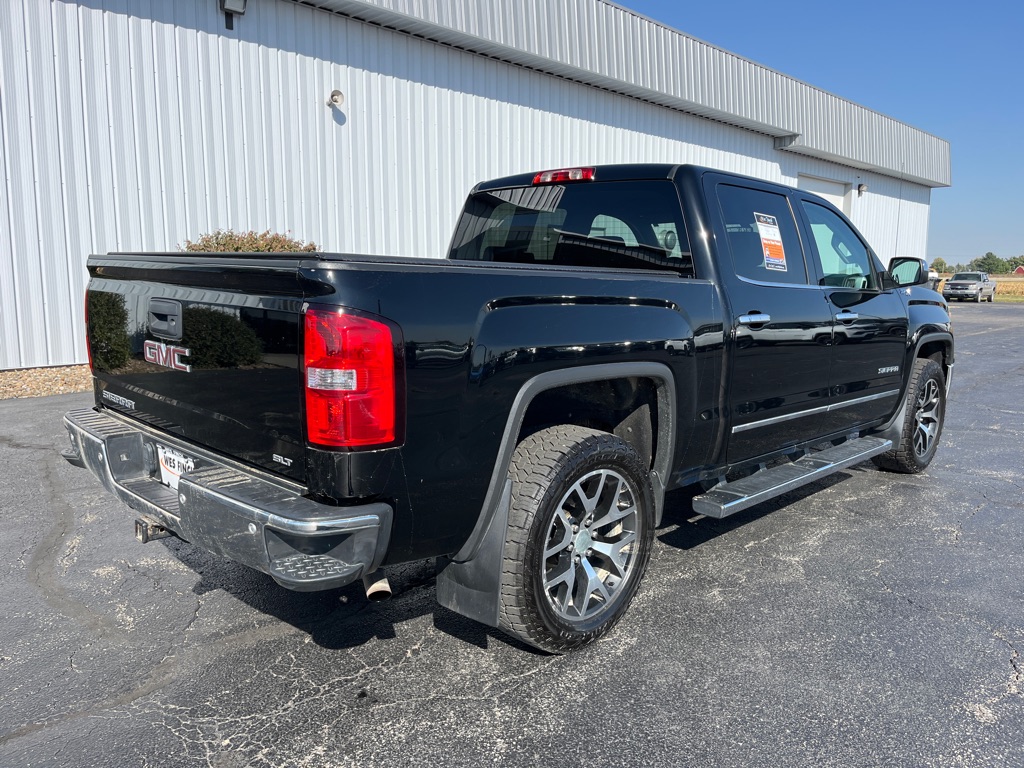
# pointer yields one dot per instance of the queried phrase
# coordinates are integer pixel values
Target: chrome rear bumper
(225, 508)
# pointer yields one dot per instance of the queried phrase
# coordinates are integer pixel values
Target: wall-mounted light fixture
(861, 189)
(231, 8)
(336, 99)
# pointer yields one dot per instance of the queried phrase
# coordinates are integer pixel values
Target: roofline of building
(647, 60)
(727, 52)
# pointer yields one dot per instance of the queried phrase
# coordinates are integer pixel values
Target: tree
(111, 344)
(1013, 262)
(939, 264)
(989, 263)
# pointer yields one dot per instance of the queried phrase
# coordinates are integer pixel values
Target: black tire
(923, 418)
(977, 298)
(992, 296)
(553, 596)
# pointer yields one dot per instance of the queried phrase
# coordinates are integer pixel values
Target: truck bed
(472, 333)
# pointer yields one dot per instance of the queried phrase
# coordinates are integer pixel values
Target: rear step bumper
(233, 512)
(728, 498)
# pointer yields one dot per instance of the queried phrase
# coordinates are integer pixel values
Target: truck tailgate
(204, 347)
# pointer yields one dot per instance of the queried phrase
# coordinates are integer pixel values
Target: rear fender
(469, 582)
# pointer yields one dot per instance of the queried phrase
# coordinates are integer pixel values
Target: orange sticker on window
(771, 242)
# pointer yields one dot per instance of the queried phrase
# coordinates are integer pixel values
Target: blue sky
(955, 70)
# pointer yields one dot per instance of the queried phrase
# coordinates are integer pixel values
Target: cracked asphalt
(871, 619)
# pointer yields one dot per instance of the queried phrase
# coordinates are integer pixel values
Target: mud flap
(472, 588)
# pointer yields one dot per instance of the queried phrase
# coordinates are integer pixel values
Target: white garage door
(834, 191)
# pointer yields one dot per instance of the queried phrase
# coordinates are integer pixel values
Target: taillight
(564, 174)
(351, 390)
(88, 345)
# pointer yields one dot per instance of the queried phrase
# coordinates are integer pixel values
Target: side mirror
(906, 270)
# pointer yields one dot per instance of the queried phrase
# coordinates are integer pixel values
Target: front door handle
(754, 318)
(846, 316)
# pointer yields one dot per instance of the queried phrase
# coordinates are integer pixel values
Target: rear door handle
(754, 318)
(846, 316)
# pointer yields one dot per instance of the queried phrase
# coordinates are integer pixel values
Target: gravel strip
(39, 382)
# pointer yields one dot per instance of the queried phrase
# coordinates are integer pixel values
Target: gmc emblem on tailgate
(164, 354)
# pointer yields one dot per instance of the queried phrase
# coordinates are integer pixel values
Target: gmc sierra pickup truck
(517, 411)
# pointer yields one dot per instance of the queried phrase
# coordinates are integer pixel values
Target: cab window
(612, 225)
(844, 258)
(610, 228)
(762, 235)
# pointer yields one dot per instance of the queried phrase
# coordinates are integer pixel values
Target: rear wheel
(581, 525)
(922, 421)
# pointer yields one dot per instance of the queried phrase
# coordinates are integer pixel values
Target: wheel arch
(542, 385)
(626, 407)
(468, 582)
(937, 346)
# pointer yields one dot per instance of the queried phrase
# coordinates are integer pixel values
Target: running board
(727, 498)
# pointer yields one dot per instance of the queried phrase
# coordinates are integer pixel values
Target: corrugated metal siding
(136, 125)
(603, 44)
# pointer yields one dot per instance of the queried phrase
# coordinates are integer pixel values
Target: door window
(762, 235)
(844, 259)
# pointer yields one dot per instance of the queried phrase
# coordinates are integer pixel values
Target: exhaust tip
(377, 586)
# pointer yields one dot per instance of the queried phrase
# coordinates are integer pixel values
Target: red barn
(1019, 271)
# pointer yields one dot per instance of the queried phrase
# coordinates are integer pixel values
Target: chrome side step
(728, 498)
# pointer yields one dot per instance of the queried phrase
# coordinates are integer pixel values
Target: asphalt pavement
(871, 619)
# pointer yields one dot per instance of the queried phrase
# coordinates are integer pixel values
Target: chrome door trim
(812, 411)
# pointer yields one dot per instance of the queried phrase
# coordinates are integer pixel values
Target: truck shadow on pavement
(336, 619)
(343, 618)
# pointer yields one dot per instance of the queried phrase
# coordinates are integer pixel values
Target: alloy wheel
(926, 417)
(591, 544)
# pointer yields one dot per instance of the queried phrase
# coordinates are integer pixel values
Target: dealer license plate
(173, 464)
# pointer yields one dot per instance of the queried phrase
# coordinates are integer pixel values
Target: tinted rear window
(622, 224)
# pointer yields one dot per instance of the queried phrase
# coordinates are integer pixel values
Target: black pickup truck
(595, 338)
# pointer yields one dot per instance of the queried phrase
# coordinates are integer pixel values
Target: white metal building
(135, 124)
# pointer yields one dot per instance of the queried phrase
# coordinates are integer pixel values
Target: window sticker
(771, 242)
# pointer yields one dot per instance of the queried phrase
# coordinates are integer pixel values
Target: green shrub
(217, 339)
(227, 240)
(108, 331)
